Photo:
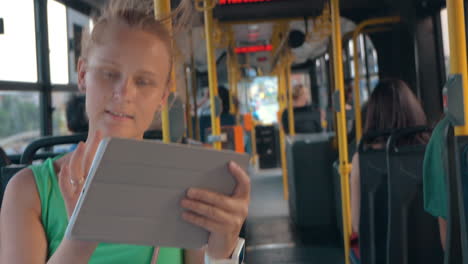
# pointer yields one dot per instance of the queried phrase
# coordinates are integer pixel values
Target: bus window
(445, 38)
(263, 99)
(76, 24)
(18, 43)
(19, 120)
(57, 22)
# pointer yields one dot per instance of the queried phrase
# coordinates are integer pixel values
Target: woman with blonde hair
(125, 73)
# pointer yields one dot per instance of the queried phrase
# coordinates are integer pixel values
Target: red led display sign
(250, 49)
(233, 2)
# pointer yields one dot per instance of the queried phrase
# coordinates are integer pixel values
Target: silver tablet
(133, 191)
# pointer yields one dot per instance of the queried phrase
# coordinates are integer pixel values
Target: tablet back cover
(133, 192)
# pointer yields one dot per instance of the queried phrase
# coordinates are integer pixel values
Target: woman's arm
(193, 256)
(22, 237)
(443, 231)
(355, 193)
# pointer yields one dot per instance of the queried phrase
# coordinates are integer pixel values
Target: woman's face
(125, 80)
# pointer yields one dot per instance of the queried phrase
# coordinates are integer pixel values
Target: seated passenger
(307, 118)
(435, 192)
(392, 105)
(77, 122)
(125, 71)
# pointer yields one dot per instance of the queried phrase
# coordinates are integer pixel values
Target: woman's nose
(125, 90)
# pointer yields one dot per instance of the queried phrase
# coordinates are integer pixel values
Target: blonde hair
(139, 14)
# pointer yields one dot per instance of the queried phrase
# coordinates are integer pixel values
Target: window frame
(43, 85)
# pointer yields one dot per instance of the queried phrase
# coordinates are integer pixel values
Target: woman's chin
(119, 133)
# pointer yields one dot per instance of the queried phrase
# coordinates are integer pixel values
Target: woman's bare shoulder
(21, 191)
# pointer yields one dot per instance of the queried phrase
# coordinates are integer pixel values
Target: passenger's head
(299, 95)
(125, 68)
(392, 105)
(77, 121)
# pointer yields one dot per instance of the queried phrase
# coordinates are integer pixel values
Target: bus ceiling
(272, 9)
(258, 10)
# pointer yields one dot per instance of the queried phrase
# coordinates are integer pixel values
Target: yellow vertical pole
(162, 8)
(235, 81)
(212, 77)
(282, 134)
(188, 107)
(253, 135)
(342, 135)
(290, 104)
(458, 60)
(193, 80)
(232, 79)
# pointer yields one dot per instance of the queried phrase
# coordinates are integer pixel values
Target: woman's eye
(144, 82)
(109, 74)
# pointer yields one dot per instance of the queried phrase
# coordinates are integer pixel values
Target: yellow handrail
(458, 60)
(193, 80)
(345, 168)
(282, 107)
(290, 103)
(213, 79)
(162, 8)
(188, 106)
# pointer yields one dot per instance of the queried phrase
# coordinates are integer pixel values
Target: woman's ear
(81, 71)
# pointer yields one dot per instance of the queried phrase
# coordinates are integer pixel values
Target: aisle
(271, 237)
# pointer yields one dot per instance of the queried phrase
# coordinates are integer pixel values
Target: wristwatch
(237, 256)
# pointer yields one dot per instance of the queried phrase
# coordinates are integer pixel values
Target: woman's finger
(204, 222)
(212, 198)
(242, 189)
(207, 210)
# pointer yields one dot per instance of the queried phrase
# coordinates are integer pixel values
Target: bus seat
(306, 120)
(205, 123)
(374, 202)
(337, 186)
(455, 249)
(311, 189)
(6, 173)
(29, 155)
(267, 143)
(413, 234)
(4, 159)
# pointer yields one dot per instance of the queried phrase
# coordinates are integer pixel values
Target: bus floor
(271, 237)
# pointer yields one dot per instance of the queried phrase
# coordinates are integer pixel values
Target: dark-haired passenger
(392, 105)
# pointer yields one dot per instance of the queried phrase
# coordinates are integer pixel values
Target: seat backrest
(374, 202)
(413, 234)
(306, 120)
(29, 154)
(6, 173)
(311, 188)
(4, 159)
(462, 142)
(267, 146)
(46, 142)
(453, 250)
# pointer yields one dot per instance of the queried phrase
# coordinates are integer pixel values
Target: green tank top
(54, 220)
